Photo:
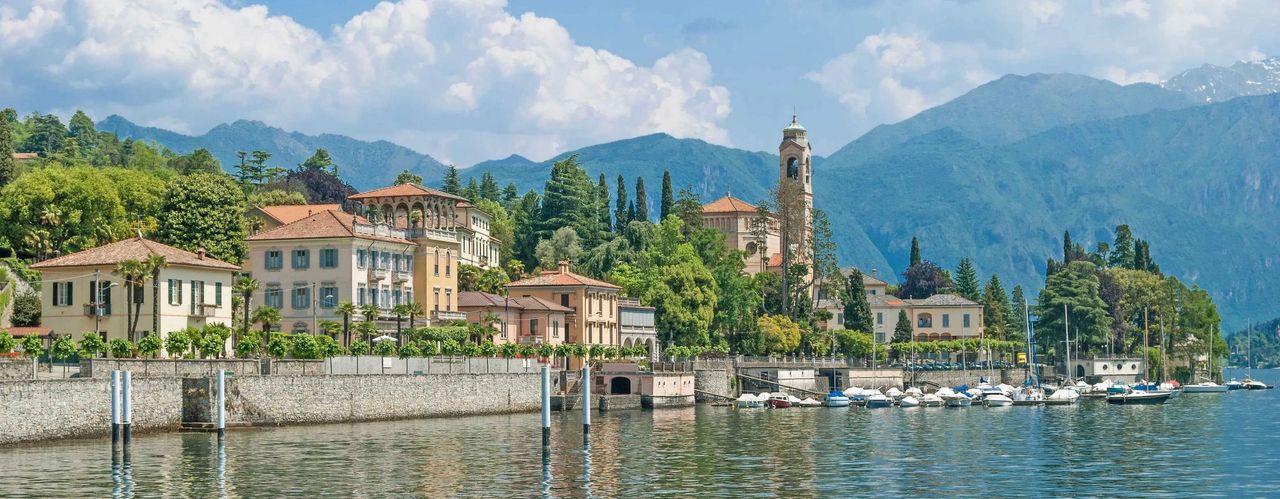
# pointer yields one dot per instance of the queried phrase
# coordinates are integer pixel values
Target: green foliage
(902, 331)
(276, 197)
(1076, 287)
(966, 281)
(121, 348)
(569, 200)
(385, 348)
(407, 177)
(857, 310)
(280, 345)
(204, 211)
(199, 161)
(177, 343)
(995, 309)
(92, 344)
(7, 341)
(488, 349)
(1017, 315)
(249, 345)
(562, 245)
(31, 345)
(360, 347)
(150, 345)
(924, 280)
(305, 346)
(8, 167)
(328, 347)
(779, 334)
(63, 348)
(410, 350)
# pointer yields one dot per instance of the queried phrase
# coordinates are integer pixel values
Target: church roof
(728, 204)
(794, 126)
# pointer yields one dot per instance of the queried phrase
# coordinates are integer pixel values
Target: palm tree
(414, 309)
(415, 219)
(133, 272)
(245, 286)
(155, 263)
(370, 313)
(400, 312)
(267, 316)
(346, 309)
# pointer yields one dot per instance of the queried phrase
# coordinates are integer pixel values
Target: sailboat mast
(1031, 346)
(1066, 337)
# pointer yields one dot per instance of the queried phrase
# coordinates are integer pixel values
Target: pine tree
(966, 281)
(472, 191)
(8, 168)
(857, 310)
(568, 200)
(642, 202)
(668, 196)
(1016, 317)
(902, 331)
(995, 309)
(1122, 251)
(602, 206)
(620, 207)
(915, 252)
(510, 196)
(451, 183)
(489, 187)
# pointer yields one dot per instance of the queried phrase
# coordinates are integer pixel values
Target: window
(395, 262)
(385, 261)
(839, 317)
(564, 300)
(328, 295)
(62, 293)
(408, 296)
(408, 263)
(872, 292)
(436, 267)
(448, 299)
(360, 296)
(104, 301)
(880, 318)
(361, 255)
(301, 258)
(448, 263)
(566, 329)
(386, 296)
(555, 327)
(946, 320)
(328, 258)
(503, 331)
(273, 260)
(395, 296)
(175, 292)
(924, 320)
(966, 320)
(373, 295)
(879, 337)
(273, 297)
(197, 295)
(436, 298)
(301, 295)
(217, 294)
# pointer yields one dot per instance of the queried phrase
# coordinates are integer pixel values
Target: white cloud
(1044, 11)
(397, 70)
(1138, 9)
(1120, 76)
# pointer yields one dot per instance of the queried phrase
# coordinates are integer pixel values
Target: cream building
(938, 317)
(594, 304)
(270, 217)
(195, 290)
(422, 212)
(525, 320)
(305, 268)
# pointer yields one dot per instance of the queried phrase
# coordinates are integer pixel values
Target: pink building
(524, 320)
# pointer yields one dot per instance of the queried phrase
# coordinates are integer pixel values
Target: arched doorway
(1079, 370)
(620, 385)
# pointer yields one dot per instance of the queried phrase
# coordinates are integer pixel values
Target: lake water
(1198, 445)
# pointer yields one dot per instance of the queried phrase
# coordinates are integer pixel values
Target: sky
(470, 80)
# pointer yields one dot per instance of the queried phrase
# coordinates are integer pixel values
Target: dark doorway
(620, 386)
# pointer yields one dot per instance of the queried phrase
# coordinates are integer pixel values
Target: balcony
(401, 275)
(377, 273)
(436, 234)
(445, 315)
(529, 339)
(204, 310)
(103, 311)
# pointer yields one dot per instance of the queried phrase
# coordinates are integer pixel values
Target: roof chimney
(564, 266)
(200, 253)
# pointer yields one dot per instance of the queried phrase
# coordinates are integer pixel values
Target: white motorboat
(1062, 397)
(794, 400)
(893, 393)
(878, 400)
(1028, 396)
(749, 401)
(958, 400)
(908, 401)
(931, 400)
(837, 399)
(1234, 384)
(1205, 387)
(1131, 397)
(914, 392)
(1252, 384)
(997, 400)
(810, 402)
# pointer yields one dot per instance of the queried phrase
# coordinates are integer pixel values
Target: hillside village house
(594, 304)
(936, 318)
(305, 268)
(871, 285)
(433, 214)
(80, 292)
(525, 320)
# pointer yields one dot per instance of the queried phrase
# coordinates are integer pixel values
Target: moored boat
(837, 399)
(749, 401)
(908, 401)
(810, 402)
(878, 400)
(1062, 397)
(1252, 384)
(1204, 387)
(931, 400)
(1234, 384)
(997, 400)
(779, 401)
(1132, 397)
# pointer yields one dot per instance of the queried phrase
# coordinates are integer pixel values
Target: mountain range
(996, 175)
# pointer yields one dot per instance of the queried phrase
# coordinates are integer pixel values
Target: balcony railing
(401, 275)
(103, 311)
(446, 315)
(204, 310)
(377, 273)
(437, 234)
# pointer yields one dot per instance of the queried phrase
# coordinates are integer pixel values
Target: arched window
(925, 319)
(793, 168)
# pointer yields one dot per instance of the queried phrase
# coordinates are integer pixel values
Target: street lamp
(97, 301)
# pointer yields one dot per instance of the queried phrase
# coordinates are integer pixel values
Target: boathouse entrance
(620, 385)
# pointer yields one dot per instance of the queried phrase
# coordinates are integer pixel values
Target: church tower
(794, 161)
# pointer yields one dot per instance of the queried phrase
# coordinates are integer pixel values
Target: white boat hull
(997, 401)
(1204, 389)
(959, 402)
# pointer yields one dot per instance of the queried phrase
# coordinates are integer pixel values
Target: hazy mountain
(366, 165)
(1210, 83)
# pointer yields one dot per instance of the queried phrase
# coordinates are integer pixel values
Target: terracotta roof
(561, 277)
(326, 224)
(286, 214)
(482, 299)
(886, 301)
(25, 155)
(943, 300)
(728, 204)
(867, 279)
(133, 249)
(23, 331)
(535, 303)
(775, 260)
(404, 190)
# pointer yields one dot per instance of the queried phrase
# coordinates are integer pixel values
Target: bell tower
(794, 161)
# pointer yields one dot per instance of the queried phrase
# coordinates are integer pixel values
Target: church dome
(793, 128)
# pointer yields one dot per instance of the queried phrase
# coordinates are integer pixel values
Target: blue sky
(468, 80)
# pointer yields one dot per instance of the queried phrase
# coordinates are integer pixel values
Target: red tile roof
(535, 303)
(133, 249)
(471, 299)
(728, 204)
(561, 277)
(404, 190)
(326, 224)
(286, 214)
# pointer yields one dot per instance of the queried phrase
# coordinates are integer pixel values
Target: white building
(421, 210)
(80, 293)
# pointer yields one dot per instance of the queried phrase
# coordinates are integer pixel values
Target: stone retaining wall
(293, 367)
(1013, 377)
(48, 409)
(327, 399)
(168, 368)
(711, 380)
(17, 369)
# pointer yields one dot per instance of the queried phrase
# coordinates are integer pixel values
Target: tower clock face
(793, 168)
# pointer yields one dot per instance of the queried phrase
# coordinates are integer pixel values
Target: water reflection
(1091, 449)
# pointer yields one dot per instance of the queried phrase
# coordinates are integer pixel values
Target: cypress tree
(489, 187)
(967, 284)
(1016, 318)
(642, 202)
(510, 196)
(602, 206)
(857, 310)
(915, 252)
(620, 207)
(1066, 246)
(451, 183)
(1122, 251)
(631, 211)
(8, 168)
(995, 309)
(668, 197)
(902, 331)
